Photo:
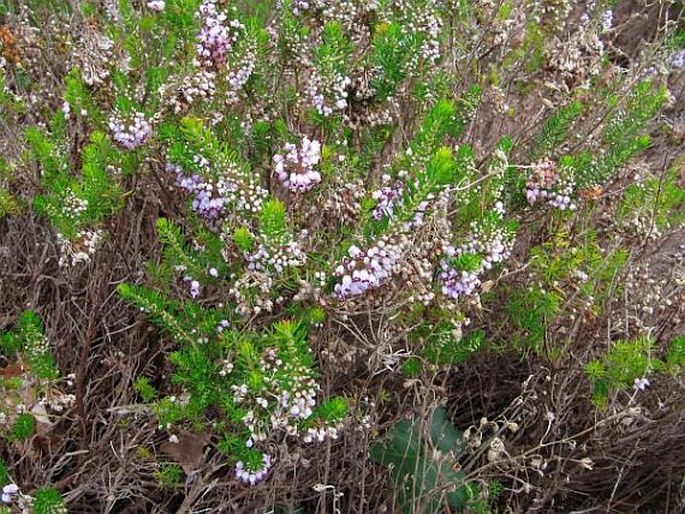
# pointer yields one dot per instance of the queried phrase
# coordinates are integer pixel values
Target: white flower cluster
(94, 56)
(329, 94)
(366, 270)
(276, 257)
(341, 202)
(579, 57)
(286, 398)
(80, 249)
(424, 22)
(346, 13)
(561, 197)
(493, 244)
(37, 346)
(295, 167)
(58, 401)
(73, 206)
(607, 20)
(677, 60)
(640, 384)
(252, 293)
(320, 434)
(282, 403)
(132, 133)
(201, 85)
(238, 77)
(227, 367)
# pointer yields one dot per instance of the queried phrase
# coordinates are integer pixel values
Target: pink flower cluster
(295, 167)
(130, 134)
(544, 182)
(363, 271)
(216, 37)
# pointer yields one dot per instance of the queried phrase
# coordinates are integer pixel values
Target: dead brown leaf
(188, 451)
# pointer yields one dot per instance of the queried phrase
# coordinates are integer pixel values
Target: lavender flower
(491, 244)
(641, 384)
(156, 5)
(386, 198)
(253, 476)
(130, 134)
(194, 288)
(217, 194)
(216, 37)
(367, 270)
(295, 168)
(299, 6)
(677, 60)
(8, 492)
(455, 283)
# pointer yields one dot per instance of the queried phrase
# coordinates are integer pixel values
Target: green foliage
(273, 223)
(24, 427)
(160, 309)
(620, 367)
(389, 54)
(9, 205)
(48, 500)
(675, 357)
(422, 456)
(331, 56)
(4, 474)
(658, 199)
(555, 131)
(29, 339)
(621, 134)
(443, 346)
(146, 391)
(168, 475)
(332, 410)
(94, 191)
(411, 367)
(243, 239)
(201, 357)
(533, 51)
(531, 312)
(435, 127)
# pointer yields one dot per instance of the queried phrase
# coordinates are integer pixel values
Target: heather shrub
(410, 255)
